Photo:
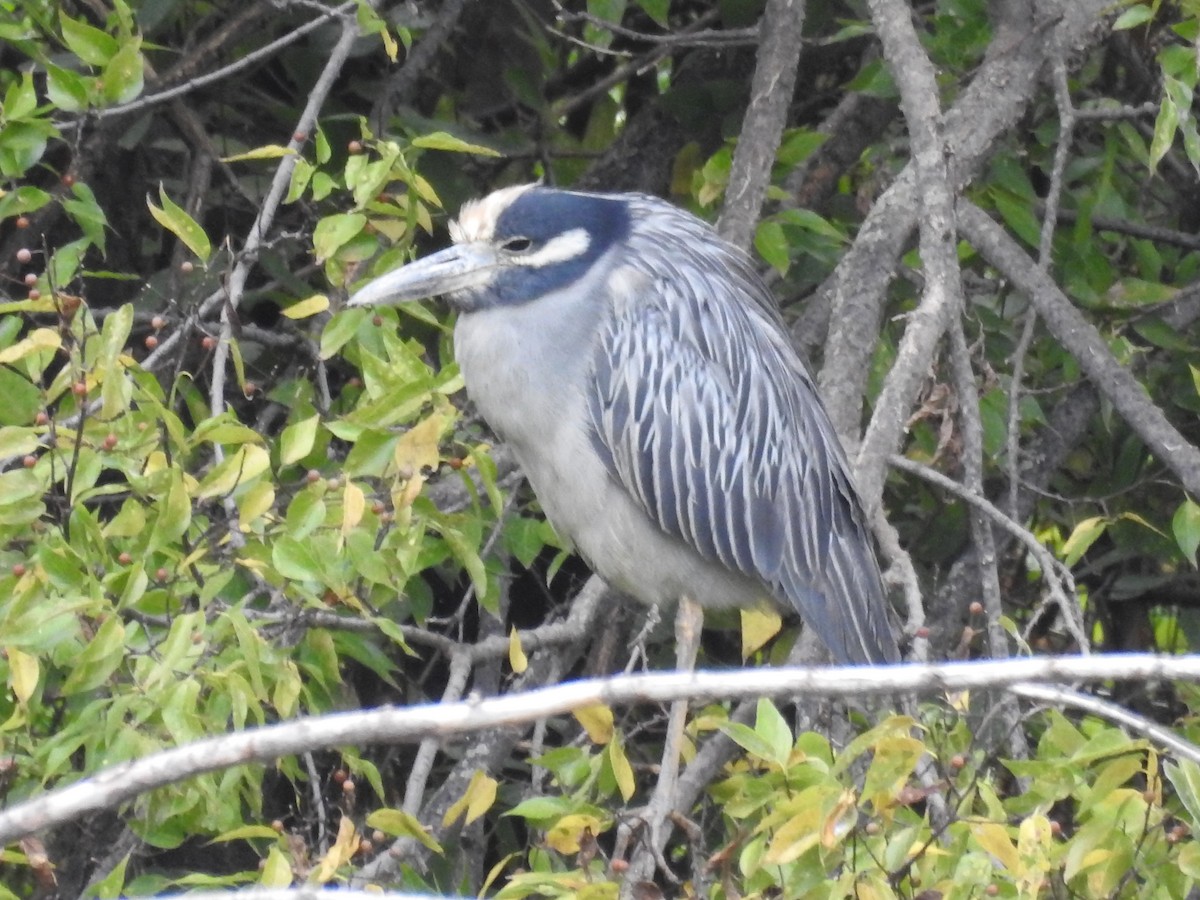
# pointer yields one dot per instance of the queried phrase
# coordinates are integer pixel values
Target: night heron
(637, 366)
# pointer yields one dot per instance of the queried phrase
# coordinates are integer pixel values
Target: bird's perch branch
(120, 783)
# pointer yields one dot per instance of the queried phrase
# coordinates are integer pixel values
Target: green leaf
(772, 245)
(335, 231)
(1133, 17)
(771, 726)
(66, 89)
(93, 46)
(1186, 526)
(124, 75)
(1185, 776)
(267, 151)
(441, 140)
(297, 440)
(1082, 537)
(1165, 126)
(398, 823)
(173, 218)
(295, 560)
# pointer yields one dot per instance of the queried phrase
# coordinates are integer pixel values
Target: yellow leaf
(256, 501)
(276, 870)
(267, 151)
(310, 306)
(759, 625)
(597, 721)
(475, 801)
(249, 461)
(566, 833)
(994, 839)
(622, 770)
(38, 339)
(516, 656)
(354, 502)
(339, 854)
(23, 671)
(417, 448)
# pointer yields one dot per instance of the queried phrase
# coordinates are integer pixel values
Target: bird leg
(689, 619)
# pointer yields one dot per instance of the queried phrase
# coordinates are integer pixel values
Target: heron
(637, 365)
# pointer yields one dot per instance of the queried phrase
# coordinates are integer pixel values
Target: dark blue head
(510, 247)
(550, 238)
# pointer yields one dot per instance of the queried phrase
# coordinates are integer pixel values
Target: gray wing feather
(704, 413)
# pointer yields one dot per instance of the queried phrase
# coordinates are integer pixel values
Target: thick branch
(770, 94)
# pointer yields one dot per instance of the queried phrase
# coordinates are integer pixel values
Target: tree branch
(118, 784)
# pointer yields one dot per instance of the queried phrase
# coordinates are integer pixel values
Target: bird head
(510, 247)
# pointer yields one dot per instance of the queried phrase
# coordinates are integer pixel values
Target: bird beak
(457, 268)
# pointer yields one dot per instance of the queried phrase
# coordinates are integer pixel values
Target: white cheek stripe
(568, 245)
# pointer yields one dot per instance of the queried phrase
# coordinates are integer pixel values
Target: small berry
(619, 866)
(992, 890)
(354, 382)
(455, 462)
(162, 574)
(30, 279)
(158, 323)
(365, 846)
(24, 255)
(354, 147)
(186, 267)
(68, 180)
(277, 826)
(110, 441)
(29, 461)
(377, 507)
(376, 320)
(250, 388)
(957, 761)
(1055, 827)
(79, 388)
(378, 836)
(300, 137)
(340, 775)
(922, 632)
(42, 418)
(35, 294)
(142, 426)
(151, 342)
(125, 558)
(312, 476)
(976, 608)
(872, 828)
(22, 221)
(333, 483)
(18, 569)
(208, 342)
(349, 787)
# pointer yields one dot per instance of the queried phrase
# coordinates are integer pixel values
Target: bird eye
(517, 245)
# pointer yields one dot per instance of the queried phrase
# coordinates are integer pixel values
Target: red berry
(376, 320)
(208, 342)
(24, 255)
(29, 461)
(251, 388)
(349, 787)
(22, 221)
(340, 775)
(186, 267)
(35, 294)
(124, 559)
(158, 323)
(30, 279)
(313, 476)
(976, 608)
(79, 388)
(1055, 827)
(299, 137)
(68, 180)
(277, 826)
(151, 342)
(162, 574)
(957, 761)
(110, 441)
(354, 147)
(18, 569)
(42, 418)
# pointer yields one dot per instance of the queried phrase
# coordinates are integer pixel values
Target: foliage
(183, 555)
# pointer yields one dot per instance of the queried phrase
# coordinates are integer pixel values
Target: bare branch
(762, 128)
(118, 784)
(1084, 342)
